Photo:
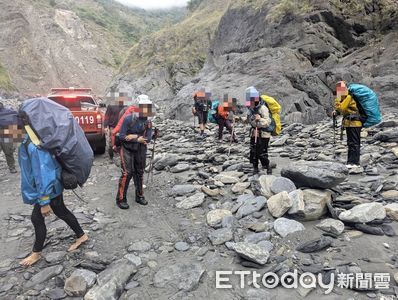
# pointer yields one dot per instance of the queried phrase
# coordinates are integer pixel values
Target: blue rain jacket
(40, 174)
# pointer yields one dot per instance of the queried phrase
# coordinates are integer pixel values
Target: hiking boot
(141, 200)
(255, 171)
(269, 170)
(122, 205)
(13, 171)
(111, 154)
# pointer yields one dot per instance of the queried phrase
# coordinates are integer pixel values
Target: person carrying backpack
(135, 134)
(260, 134)
(41, 187)
(225, 115)
(110, 122)
(353, 120)
(7, 121)
(202, 104)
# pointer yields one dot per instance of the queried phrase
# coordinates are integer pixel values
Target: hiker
(8, 122)
(110, 122)
(126, 111)
(202, 104)
(225, 117)
(42, 188)
(353, 120)
(259, 119)
(134, 135)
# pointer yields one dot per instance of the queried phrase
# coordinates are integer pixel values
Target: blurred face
(118, 98)
(201, 96)
(146, 110)
(341, 90)
(254, 101)
(229, 104)
(12, 134)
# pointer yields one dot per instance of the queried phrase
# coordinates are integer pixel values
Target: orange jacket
(222, 112)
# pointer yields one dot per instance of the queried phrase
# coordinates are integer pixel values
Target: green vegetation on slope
(124, 23)
(5, 81)
(127, 24)
(289, 7)
(114, 25)
(193, 4)
(181, 46)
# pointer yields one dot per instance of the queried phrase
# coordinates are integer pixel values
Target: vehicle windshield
(71, 102)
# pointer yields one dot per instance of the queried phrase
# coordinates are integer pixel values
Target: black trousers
(109, 142)
(8, 149)
(58, 206)
(133, 166)
(224, 123)
(202, 117)
(354, 145)
(259, 152)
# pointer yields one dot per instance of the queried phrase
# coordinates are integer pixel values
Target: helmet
(143, 99)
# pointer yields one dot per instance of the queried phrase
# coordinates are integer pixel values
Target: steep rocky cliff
(292, 50)
(47, 43)
(165, 61)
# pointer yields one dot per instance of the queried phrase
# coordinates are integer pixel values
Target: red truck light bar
(71, 89)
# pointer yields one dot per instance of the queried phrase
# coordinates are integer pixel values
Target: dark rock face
(297, 60)
(317, 174)
(387, 136)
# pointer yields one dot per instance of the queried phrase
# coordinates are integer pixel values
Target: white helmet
(143, 99)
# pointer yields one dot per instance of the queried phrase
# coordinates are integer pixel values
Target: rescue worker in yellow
(346, 106)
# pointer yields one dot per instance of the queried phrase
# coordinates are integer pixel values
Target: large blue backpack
(368, 103)
(60, 134)
(213, 112)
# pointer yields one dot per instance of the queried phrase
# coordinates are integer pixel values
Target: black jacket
(112, 115)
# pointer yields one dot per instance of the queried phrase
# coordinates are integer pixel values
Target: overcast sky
(148, 4)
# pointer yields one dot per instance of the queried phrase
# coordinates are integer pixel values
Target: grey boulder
(111, 281)
(180, 276)
(315, 174)
(282, 184)
(284, 226)
(251, 252)
(364, 213)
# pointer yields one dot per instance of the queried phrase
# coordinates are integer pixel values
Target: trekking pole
(342, 130)
(334, 129)
(150, 171)
(232, 137)
(334, 135)
(255, 134)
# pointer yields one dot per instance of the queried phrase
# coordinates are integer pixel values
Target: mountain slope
(46, 43)
(5, 81)
(163, 62)
(294, 51)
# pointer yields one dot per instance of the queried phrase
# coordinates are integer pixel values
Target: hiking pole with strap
(150, 171)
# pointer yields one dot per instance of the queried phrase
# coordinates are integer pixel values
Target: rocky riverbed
(207, 213)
